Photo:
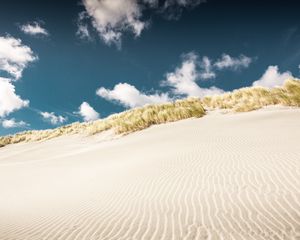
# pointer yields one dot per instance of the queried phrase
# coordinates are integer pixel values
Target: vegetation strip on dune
(241, 100)
(122, 123)
(252, 98)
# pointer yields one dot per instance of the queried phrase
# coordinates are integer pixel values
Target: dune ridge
(224, 176)
(253, 98)
(241, 100)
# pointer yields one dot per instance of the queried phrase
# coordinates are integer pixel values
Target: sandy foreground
(223, 176)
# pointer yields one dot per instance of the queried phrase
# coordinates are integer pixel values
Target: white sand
(233, 176)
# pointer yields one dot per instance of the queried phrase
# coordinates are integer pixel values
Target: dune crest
(241, 100)
(253, 98)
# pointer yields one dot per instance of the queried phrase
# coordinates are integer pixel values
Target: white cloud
(183, 79)
(9, 101)
(83, 30)
(151, 3)
(52, 118)
(172, 9)
(112, 18)
(209, 68)
(87, 112)
(272, 78)
(34, 29)
(182, 82)
(232, 63)
(12, 123)
(207, 72)
(128, 96)
(14, 56)
(184, 3)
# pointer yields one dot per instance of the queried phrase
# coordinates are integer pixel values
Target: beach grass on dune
(252, 98)
(141, 118)
(122, 123)
(241, 100)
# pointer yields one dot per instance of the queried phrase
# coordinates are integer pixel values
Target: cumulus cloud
(272, 77)
(183, 79)
(181, 82)
(52, 118)
(9, 100)
(12, 123)
(34, 29)
(87, 112)
(112, 18)
(14, 56)
(128, 96)
(226, 61)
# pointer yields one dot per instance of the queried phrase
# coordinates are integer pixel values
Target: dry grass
(37, 135)
(141, 118)
(241, 100)
(122, 123)
(252, 98)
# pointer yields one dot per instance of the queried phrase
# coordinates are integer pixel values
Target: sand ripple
(234, 176)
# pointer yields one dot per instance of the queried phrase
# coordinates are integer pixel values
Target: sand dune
(223, 176)
(136, 119)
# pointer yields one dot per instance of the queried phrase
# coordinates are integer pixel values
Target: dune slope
(136, 119)
(232, 176)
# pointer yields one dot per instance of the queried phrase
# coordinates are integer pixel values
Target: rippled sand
(224, 176)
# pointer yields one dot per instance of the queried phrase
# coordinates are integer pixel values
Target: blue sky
(66, 61)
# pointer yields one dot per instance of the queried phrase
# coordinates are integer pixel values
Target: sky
(81, 60)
